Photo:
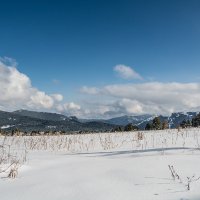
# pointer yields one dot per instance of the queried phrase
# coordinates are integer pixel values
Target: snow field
(104, 166)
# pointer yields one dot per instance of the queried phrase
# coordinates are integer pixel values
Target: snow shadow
(134, 152)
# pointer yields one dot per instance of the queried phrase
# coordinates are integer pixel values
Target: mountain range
(42, 121)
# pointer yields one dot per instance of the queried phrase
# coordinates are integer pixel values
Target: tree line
(195, 122)
(158, 124)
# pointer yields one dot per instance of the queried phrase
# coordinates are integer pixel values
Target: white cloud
(152, 98)
(89, 90)
(17, 91)
(126, 72)
(70, 109)
(158, 93)
(40, 99)
(8, 61)
(57, 97)
(71, 106)
(131, 106)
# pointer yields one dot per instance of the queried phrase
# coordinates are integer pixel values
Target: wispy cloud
(9, 61)
(127, 72)
(89, 90)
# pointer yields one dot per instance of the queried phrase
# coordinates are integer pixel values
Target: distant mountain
(124, 120)
(176, 118)
(141, 120)
(41, 115)
(40, 121)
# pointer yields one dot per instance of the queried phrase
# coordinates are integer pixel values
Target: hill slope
(40, 121)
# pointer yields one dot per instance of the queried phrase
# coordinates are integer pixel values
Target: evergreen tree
(165, 125)
(183, 124)
(117, 129)
(196, 121)
(156, 124)
(130, 127)
(189, 123)
(148, 126)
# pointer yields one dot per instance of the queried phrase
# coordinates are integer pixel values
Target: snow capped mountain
(141, 120)
(31, 120)
(176, 118)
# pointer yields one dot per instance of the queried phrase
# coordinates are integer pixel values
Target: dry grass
(14, 149)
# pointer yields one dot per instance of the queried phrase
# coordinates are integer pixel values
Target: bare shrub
(188, 181)
(13, 173)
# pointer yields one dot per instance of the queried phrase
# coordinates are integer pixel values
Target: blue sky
(63, 46)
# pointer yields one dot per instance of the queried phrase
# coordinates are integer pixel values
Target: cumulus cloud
(71, 106)
(40, 100)
(152, 97)
(159, 93)
(130, 106)
(57, 97)
(17, 92)
(126, 72)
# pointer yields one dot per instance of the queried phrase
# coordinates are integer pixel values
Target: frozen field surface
(131, 168)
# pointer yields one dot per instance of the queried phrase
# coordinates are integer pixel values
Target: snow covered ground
(117, 166)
